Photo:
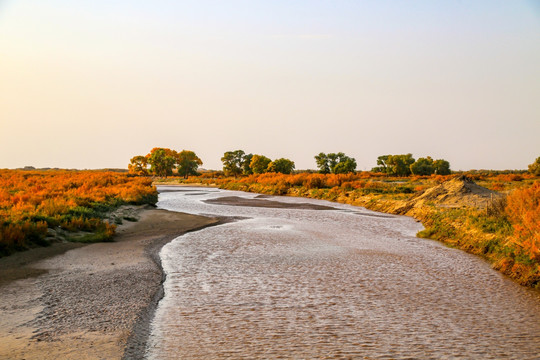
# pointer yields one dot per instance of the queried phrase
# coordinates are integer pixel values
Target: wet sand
(260, 202)
(74, 301)
(306, 284)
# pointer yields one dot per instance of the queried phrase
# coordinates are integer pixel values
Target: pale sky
(90, 84)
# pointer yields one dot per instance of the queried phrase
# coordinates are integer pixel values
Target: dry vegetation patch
(40, 207)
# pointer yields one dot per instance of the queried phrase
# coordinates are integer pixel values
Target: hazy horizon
(90, 85)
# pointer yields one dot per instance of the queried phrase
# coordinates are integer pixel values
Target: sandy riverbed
(71, 301)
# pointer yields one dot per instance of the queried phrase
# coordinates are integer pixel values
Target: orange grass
(31, 202)
(523, 210)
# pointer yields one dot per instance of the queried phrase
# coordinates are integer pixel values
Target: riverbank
(80, 301)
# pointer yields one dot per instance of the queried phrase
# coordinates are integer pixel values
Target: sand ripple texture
(305, 284)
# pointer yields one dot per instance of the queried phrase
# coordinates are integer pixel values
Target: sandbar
(75, 301)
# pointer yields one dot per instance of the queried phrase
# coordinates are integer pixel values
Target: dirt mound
(457, 192)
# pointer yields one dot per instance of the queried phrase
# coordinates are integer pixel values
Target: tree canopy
(187, 163)
(259, 164)
(163, 161)
(428, 166)
(441, 167)
(400, 165)
(246, 164)
(138, 165)
(405, 165)
(236, 162)
(382, 167)
(322, 163)
(284, 166)
(423, 166)
(335, 163)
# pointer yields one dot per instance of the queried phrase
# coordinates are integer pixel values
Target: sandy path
(71, 301)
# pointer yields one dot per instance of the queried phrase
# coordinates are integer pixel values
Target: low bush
(75, 201)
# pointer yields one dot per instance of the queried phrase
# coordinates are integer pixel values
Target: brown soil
(70, 301)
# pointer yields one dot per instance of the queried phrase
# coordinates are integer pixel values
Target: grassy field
(493, 215)
(40, 207)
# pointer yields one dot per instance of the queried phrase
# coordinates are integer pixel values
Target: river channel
(340, 282)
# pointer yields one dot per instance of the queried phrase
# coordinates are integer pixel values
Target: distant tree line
(163, 161)
(237, 162)
(405, 165)
(166, 162)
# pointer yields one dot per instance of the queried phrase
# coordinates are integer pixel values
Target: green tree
(382, 165)
(259, 164)
(345, 166)
(187, 163)
(534, 168)
(284, 166)
(423, 166)
(322, 163)
(333, 160)
(336, 163)
(441, 167)
(138, 165)
(246, 164)
(161, 161)
(400, 165)
(233, 162)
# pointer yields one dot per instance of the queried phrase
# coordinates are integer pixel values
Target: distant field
(39, 207)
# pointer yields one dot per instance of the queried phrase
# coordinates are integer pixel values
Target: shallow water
(346, 283)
